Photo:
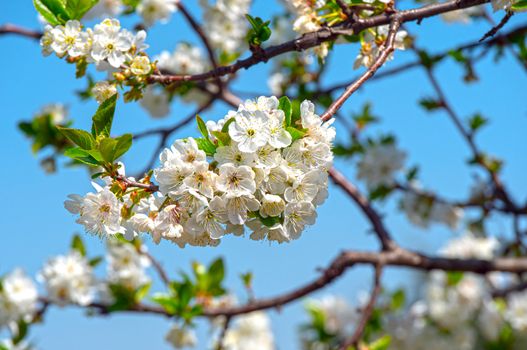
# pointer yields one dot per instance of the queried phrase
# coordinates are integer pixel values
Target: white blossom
(18, 298)
(379, 165)
(181, 337)
(69, 279)
(156, 10)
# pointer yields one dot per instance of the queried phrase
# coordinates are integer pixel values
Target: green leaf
(78, 245)
(476, 122)
(206, 146)
(95, 261)
(295, 133)
(270, 221)
(285, 105)
(398, 299)
(202, 127)
(77, 8)
(45, 12)
(225, 127)
(430, 104)
(107, 147)
(222, 137)
(382, 343)
(216, 271)
(81, 155)
(81, 138)
(142, 291)
(54, 11)
(519, 5)
(21, 332)
(247, 279)
(168, 302)
(103, 118)
(112, 149)
(454, 277)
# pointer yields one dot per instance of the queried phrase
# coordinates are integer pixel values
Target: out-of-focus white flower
(18, 298)
(103, 90)
(379, 165)
(340, 317)
(250, 331)
(156, 10)
(156, 102)
(469, 246)
(69, 279)
(516, 312)
(181, 338)
(126, 266)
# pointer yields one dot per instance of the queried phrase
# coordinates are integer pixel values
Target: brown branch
(157, 266)
(367, 311)
(323, 35)
(16, 30)
(385, 52)
(397, 257)
(199, 31)
(224, 329)
(496, 28)
(495, 41)
(375, 219)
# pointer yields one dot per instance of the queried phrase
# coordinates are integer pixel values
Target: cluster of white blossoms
(340, 318)
(456, 310)
(260, 174)
(374, 39)
(156, 10)
(126, 266)
(260, 177)
(307, 20)
(379, 165)
(250, 331)
(107, 45)
(18, 298)
(423, 209)
(225, 23)
(69, 279)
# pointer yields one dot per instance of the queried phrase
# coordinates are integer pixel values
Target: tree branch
(325, 34)
(366, 312)
(375, 219)
(385, 52)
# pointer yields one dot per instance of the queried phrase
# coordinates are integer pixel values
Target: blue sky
(36, 226)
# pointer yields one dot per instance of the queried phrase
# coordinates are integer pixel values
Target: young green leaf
(81, 155)
(222, 137)
(202, 127)
(103, 118)
(52, 10)
(285, 105)
(45, 12)
(206, 146)
(77, 8)
(295, 133)
(81, 138)
(225, 127)
(124, 142)
(78, 245)
(107, 148)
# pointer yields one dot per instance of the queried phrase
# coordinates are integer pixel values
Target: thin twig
(325, 34)
(496, 28)
(16, 30)
(367, 311)
(363, 203)
(385, 52)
